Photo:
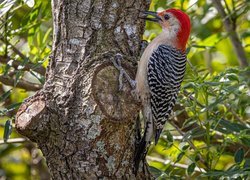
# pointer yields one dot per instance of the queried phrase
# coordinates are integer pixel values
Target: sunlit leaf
(41, 79)
(46, 36)
(30, 3)
(5, 6)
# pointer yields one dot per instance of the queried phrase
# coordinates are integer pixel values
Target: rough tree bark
(83, 124)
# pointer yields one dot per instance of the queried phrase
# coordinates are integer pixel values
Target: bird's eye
(166, 17)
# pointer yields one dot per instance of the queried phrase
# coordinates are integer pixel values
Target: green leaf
(13, 106)
(179, 157)
(231, 127)
(189, 122)
(6, 69)
(169, 137)
(189, 85)
(7, 130)
(191, 168)
(46, 36)
(232, 70)
(155, 171)
(219, 173)
(18, 76)
(40, 79)
(194, 133)
(5, 95)
(239, 155)
(185, 147)
(209, 83)
(233, 77)
(197, 158)
(188, 50)
(6, 6)
(245, 141)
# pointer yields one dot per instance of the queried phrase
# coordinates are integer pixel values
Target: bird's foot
(117, 63)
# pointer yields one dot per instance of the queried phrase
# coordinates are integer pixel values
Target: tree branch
(41, 70)
(14, 140)
(229, 26)
(30, 118)
(21, 83)
(14, 48)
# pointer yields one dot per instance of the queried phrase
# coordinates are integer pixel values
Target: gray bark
(83, 124)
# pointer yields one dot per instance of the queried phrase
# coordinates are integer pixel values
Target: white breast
(141, 76)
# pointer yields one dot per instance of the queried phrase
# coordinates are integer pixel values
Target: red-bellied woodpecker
(160, 73)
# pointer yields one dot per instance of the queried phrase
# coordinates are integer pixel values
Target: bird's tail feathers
(142, 148)
(140, 153)
(157, 135)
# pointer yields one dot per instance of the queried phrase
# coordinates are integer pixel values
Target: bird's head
(175, 22)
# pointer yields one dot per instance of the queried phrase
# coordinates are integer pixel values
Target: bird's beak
(154, 14)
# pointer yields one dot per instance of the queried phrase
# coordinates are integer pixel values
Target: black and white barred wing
(166, 69)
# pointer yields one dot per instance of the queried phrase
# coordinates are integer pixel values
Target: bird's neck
(169, 38)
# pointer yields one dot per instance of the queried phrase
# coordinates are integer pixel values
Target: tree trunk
(83, 124)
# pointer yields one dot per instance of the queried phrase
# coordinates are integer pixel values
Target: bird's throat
(169, 38)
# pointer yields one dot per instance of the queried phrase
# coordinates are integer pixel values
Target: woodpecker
(160, 73)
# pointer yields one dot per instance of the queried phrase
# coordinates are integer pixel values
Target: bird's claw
(117, 63)
(120, 81)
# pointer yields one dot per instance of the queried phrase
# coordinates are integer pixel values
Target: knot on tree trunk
(112, 101)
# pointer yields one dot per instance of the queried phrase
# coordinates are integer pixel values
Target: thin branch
(14, 49)
(234, 114)
(7, 102)
(166, 161)
(182, 134)
(21, 84)
(41, 70)
(229, 26)
(13, 140)
(187, 94)
(227, 7)
(189, 142)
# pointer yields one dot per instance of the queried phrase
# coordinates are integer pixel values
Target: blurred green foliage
(25, 44)
(213, 142)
